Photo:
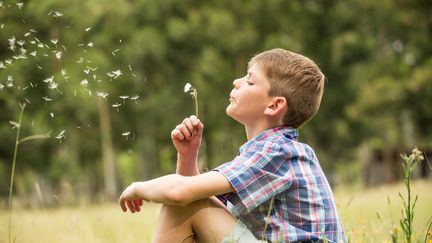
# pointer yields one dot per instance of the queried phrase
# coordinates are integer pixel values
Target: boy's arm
(187, 138)
(174, 189)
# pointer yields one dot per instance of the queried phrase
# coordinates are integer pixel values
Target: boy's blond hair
(295, 77)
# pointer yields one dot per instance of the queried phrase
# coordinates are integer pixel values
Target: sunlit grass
(107, 223)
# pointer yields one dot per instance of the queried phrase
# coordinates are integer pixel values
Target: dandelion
(188, 88)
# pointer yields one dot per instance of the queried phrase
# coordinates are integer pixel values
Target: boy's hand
(130, 199)
(187, 136)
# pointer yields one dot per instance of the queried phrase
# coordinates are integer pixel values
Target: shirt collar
(288, 132)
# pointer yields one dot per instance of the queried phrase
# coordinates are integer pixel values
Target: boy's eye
(249, 83)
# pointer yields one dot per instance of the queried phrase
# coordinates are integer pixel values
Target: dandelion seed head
(187, 87)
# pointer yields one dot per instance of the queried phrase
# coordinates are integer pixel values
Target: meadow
(368, 215)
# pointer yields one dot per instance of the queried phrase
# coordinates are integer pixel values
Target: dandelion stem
(195, 95)
(13, 169)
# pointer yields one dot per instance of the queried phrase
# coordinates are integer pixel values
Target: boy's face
(249, 97)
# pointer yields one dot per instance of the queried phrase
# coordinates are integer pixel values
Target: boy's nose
(236, 83)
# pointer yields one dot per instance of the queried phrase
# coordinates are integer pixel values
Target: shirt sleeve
(256, 176)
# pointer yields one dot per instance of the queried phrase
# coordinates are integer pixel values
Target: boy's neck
(254, 130)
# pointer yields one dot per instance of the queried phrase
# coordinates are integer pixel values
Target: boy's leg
(207, 218)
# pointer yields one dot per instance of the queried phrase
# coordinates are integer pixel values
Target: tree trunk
(109, 174)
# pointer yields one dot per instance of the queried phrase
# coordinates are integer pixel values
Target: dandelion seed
(55, 14)
(46, 98)
(45, 55)
(2, 26)
(58, 55)
(27, 35)
(53, 85)
(14, 124)
(49, 80)
(61, 135)
(124, 97)
(40, 45)
(134, 98)
(116, 105)
(33, 53)
(26, 87)
(2, 65)
(115, 51)
(54, 41)
(115, 74)
(39, 66)
(102, 94)
(12, 43)
(126, 133)
(20, 42)
(84, 83)
(90, 44)
(64, 47)
(9, 82)
(81, 60)
(8, 61)
(52, 115)
(87, 29)
(20, 5)
(27, 101)
(1, 87)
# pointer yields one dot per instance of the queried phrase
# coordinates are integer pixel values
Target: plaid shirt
(275, 167)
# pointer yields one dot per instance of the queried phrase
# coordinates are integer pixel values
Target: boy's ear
(277, 106)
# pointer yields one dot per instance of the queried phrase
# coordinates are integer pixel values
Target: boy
(273, 190)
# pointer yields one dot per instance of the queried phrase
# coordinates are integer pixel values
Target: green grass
(107, 223)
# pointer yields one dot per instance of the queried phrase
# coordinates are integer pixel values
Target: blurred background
(105, 79)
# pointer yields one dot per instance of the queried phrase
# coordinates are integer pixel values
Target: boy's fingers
(177, 134)
(188, 123)
(130, 206)
(122, 205)
(185, 131)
